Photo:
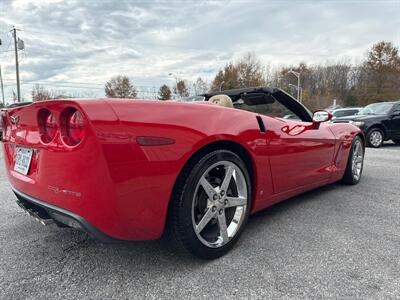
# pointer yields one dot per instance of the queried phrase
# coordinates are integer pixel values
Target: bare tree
(182, 89)
(200, 86)
(164, 92)
(249, 71)
(227, 78)
(40, 93)
(120, 87)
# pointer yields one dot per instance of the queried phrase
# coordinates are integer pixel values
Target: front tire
(375, 137)
(211, 204)
(355, 162)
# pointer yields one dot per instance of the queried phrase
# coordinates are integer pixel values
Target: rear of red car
(49, 184)
(58, 156)
(109, 166)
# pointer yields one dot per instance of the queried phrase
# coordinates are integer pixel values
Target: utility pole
(14, 30)
(2, 87)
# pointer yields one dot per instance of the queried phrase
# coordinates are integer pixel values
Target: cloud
(90, 41)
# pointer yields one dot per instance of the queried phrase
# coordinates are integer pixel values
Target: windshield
(376, 109)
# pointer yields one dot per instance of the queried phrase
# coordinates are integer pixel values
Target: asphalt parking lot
(335, 242)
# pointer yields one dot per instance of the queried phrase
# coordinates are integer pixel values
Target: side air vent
(261, 124)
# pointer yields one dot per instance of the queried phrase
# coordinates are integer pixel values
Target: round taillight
(73, 126)
(51, 126)
(48, 126)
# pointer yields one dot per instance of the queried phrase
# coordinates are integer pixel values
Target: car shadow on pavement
(291, 203)
(162, 252)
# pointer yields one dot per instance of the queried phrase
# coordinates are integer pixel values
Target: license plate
(23, 160)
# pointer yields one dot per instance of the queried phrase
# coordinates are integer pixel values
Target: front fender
(344, 134)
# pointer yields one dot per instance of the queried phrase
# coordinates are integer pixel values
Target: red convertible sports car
(125, 169)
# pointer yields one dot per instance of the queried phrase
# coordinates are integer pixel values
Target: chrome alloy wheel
(357, 159)
(219, 204)
(376, 138)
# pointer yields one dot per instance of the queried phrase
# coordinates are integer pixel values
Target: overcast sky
(70, 44)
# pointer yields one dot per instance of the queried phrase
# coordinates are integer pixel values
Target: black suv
(379, 121)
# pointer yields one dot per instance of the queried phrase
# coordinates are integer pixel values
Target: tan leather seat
(222, 100)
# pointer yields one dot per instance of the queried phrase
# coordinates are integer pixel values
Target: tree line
(376, 78)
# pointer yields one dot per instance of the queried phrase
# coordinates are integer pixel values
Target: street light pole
(297, 74)
(297, 89)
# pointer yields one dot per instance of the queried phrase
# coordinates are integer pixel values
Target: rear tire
(211, 204)
(355, 162)
(375, 137)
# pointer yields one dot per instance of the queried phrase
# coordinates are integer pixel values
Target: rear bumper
(45, 212)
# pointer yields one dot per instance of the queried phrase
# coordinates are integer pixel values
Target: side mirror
(321, 116)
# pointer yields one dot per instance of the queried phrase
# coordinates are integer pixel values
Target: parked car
(291, 117)
(127, 169)
(379, 121)
(344, 112)
(331, 108)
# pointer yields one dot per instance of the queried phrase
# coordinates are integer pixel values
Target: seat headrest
(222, 100)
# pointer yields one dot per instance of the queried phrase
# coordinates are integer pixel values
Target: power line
(140, 89)
(56, 81)
(72, 84)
